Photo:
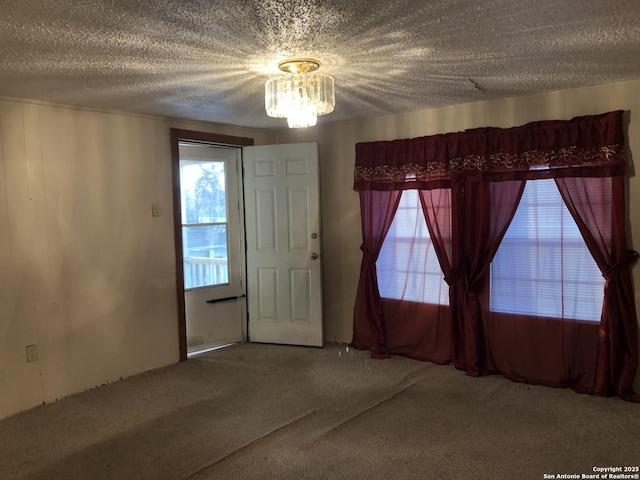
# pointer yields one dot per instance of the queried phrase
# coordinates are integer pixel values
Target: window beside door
(204, 223)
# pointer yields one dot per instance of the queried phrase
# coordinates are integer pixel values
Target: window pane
(408, 267)
(202, 187)
(543, 267)
(205, 255)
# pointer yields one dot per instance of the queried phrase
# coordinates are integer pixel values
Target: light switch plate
(32, 353)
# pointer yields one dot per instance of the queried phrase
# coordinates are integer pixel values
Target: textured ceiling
(209, 59)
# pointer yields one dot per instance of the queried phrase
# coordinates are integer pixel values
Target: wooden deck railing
(202, 271)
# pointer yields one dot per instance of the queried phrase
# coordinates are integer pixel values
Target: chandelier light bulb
(302, 118)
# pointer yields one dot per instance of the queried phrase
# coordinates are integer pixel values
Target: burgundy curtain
(598, 207)
(484, 172)
(487, 200)
(438, 209)
(377, 209)
(489, 208)
(480, 225)
(416, 324)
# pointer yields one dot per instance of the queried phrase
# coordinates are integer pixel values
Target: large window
(407, 266)
(543, 267)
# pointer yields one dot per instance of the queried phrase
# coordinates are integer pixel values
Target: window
(543, 267)
(408, 268)
(204, 223)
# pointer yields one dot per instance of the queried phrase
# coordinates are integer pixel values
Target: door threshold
(207, 350)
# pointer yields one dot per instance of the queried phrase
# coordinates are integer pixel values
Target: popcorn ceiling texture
(208, 60)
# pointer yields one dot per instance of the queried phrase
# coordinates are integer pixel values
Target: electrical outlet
(32, 353)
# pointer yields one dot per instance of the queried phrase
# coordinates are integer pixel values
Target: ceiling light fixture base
(298, 66)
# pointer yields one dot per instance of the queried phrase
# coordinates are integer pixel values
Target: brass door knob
(314, 256)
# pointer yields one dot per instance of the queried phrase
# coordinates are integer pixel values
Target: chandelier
(301, 96)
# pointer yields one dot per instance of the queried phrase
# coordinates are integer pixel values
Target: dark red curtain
(440, 214)
(377, 209)
(598, 207)
(484, 171)
(483, 213)
(489, 208)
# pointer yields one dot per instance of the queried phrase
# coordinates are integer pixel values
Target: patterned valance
(583, 146)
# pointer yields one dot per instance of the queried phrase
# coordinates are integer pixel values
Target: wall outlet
(32, 353)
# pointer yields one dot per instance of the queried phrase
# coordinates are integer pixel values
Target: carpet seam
(250, 444)
(371, 408)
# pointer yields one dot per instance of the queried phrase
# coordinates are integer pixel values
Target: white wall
(86, 273)
(340, 207)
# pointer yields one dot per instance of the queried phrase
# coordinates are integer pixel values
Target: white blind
(543, 267)
(408, 267)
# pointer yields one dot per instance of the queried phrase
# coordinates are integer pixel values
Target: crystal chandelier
(301, 96)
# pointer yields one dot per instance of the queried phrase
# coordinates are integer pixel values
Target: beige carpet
(274, 412)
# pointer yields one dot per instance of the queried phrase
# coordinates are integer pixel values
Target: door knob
(314, 256)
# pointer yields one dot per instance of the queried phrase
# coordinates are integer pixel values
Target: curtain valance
(583, 146)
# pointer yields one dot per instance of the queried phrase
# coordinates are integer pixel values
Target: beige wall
(86, 273)
(340, 208)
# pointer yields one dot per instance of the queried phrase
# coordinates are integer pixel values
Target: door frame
(178, 135)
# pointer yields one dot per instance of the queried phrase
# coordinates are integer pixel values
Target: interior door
(212, 244)
(284, 272)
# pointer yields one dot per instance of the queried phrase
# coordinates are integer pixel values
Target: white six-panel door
(284, 273)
